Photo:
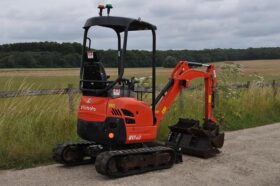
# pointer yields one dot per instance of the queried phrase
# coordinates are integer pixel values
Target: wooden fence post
(70, 98)
(248, 84)
(274, 88)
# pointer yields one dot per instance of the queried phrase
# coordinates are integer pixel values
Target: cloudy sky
(182, 24)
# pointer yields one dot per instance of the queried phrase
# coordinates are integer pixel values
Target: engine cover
(115, 121)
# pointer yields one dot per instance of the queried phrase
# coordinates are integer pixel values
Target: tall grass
(30, 126)
(253, 107)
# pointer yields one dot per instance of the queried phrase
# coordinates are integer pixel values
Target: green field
(30, 126)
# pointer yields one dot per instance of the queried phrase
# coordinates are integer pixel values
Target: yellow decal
(112, 105)
(209, 99)
(163, 110)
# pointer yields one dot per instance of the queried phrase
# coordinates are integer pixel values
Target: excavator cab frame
(119, 25)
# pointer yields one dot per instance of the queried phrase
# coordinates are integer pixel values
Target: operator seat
(94, 70)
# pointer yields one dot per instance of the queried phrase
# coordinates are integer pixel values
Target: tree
(169, 62)
(24, 60)
(53, 54)
(71, 60)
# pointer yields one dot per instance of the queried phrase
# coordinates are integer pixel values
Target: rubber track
(103, 159)
(59, 148)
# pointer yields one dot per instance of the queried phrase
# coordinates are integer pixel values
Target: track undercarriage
(118, 162)
(75, 153)
(134, 161)
(185, 137)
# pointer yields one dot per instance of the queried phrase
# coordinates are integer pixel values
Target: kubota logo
(87, 108)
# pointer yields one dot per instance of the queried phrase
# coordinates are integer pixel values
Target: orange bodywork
(97, 109)
(137, 115)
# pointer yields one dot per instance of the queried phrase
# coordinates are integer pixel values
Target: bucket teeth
(190, 138)
(218, 141)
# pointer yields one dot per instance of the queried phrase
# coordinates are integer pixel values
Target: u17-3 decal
(134, 137)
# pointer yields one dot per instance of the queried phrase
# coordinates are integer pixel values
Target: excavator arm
(180, 78)
(187, 135)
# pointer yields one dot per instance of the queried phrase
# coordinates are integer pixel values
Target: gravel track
(249, 157)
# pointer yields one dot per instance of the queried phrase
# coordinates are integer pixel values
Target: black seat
(94, 71)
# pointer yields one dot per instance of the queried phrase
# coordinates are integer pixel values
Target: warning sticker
(163, 110)
(90, 54)
(112, 105)
(116, 92)
(209, 99)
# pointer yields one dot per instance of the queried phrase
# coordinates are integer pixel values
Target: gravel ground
(249, 157)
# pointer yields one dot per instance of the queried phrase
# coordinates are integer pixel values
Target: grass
(59, 78)
(31, 126)
(247, 109)
(250, 108)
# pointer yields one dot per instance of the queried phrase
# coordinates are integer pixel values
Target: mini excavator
(118, 130)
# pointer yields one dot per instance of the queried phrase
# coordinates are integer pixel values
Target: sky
(181, 24)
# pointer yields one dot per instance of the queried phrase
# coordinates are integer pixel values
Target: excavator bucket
(188, 137)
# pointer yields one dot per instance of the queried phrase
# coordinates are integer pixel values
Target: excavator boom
(188, 136)
(180, 78)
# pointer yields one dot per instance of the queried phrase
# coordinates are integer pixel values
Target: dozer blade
(190, 138)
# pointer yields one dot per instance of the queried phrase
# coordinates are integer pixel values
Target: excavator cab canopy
(119, 24)
(93, 78)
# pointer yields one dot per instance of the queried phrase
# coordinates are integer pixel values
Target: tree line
(53, 54)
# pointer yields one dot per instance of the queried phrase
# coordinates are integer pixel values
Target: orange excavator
(119, 131)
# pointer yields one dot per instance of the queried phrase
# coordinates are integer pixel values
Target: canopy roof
(119, 24)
